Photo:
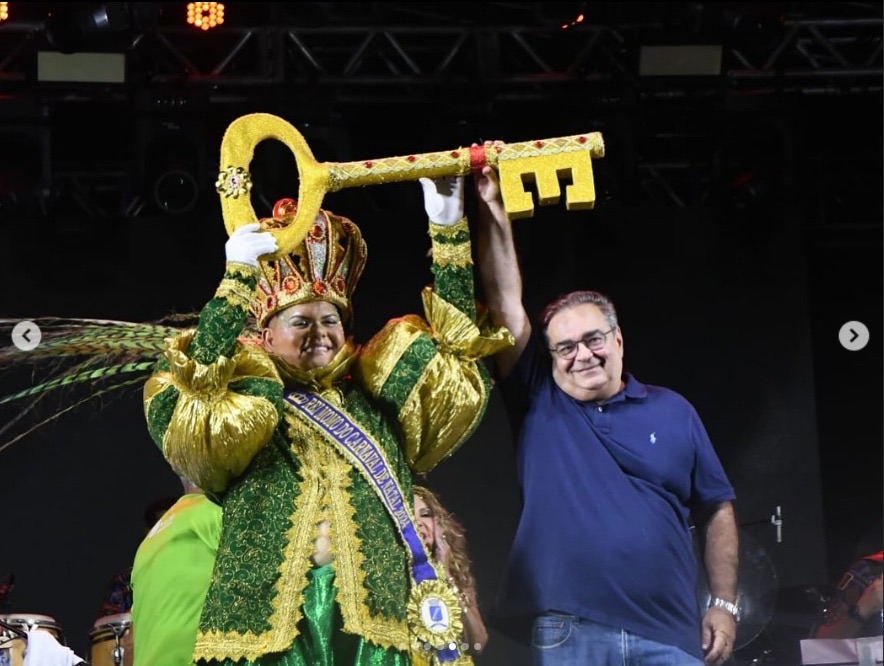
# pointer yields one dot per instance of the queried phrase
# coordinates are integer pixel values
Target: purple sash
(368, 458)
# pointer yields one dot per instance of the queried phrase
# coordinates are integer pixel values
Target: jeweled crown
(325, 267)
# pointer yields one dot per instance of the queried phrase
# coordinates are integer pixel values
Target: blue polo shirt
(607, 491)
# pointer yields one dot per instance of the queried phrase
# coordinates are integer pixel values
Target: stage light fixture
(74, 26)
(175, 191)
(4, 11)
(205, 15)
(172, 169)
(756, 29)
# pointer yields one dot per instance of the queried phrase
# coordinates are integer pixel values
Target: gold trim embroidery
(449, 232)
(240, 269)
(349, 559)
(448, 254)
(296, 562)
(235, 292)
(304, 520)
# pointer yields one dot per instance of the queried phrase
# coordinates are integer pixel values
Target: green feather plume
(78, 361)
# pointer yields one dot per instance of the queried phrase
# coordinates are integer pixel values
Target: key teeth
(546, 171)
(543, 162)
(579, 205)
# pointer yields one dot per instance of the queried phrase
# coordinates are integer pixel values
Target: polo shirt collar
(634, 390)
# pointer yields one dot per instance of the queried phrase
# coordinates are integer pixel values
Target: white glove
(443, 199)
(44, 650)
(247, 243)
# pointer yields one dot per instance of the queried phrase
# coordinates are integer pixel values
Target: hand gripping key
(542, 162)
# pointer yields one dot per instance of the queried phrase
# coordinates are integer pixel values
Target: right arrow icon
(854, 335)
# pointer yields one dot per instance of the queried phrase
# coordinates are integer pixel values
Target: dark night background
(737, 227)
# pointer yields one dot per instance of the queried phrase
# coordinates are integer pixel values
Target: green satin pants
(320, 641)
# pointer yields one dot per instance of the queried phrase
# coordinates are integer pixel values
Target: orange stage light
(4, 11)
(205, 15)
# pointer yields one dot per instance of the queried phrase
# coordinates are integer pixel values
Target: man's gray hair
(575, 298)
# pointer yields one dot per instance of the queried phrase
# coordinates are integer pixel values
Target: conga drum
(12, 646)
(111, 641)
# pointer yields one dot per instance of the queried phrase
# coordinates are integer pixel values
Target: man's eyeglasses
(594, 341)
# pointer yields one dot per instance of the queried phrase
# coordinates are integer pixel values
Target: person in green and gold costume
(313, 566)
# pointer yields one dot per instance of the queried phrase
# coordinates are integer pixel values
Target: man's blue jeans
(566, 640)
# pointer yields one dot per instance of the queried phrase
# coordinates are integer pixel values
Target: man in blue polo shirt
(612, 472)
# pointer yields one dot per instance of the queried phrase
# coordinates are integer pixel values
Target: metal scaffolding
(342, 62)
(834, 54)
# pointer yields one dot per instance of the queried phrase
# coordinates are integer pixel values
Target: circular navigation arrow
(854, 335)
(26, 335)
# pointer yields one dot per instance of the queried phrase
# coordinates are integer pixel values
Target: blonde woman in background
(446, 543)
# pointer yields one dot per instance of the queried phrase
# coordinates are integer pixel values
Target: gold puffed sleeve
(214, 431)
(431, 371)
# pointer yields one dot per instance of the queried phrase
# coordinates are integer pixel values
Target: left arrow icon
(26, 335)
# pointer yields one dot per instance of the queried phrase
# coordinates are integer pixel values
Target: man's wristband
(724, 605)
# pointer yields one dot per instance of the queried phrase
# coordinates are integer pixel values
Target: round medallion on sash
(434, 614)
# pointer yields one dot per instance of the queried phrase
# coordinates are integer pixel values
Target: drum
(111, 641)
(12, 646)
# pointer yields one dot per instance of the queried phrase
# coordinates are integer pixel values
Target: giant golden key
(542, 162)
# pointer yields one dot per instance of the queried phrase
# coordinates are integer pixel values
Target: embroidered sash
(433, 613)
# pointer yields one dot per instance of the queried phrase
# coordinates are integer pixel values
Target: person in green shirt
(170, 577)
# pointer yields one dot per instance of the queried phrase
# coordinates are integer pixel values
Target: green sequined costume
(215, 406)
